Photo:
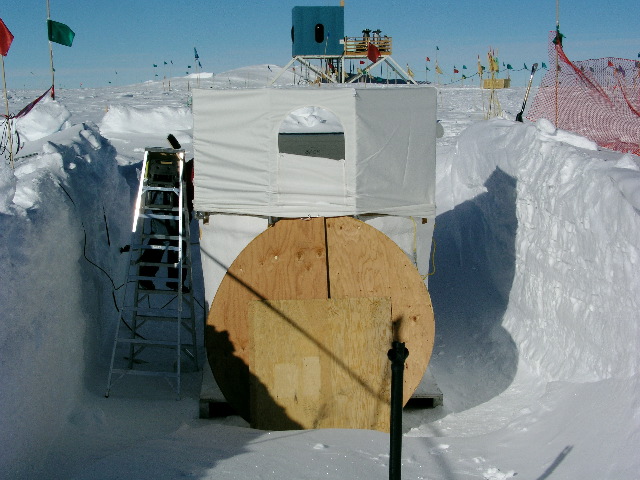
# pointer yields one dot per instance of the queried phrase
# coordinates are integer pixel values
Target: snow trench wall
(572, 303)
(60, 233)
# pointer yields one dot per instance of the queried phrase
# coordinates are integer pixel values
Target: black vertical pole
(398, 354)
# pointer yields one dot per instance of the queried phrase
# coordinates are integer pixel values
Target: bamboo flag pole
(6, 102)
(53, 80)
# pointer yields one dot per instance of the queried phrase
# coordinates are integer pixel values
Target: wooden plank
(366, 263)
(287, 261)
(320, 363)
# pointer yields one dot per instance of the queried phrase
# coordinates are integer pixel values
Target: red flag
(373, 53)
(428, 59)
(5, 39)
(361, 62)
(455, 70)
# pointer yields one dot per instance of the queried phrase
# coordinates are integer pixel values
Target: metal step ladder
(158, 308)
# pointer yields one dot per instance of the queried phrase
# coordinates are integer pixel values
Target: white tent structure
(387, 175)
(388, 166)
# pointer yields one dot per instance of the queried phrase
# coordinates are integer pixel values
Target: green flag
(60, 33)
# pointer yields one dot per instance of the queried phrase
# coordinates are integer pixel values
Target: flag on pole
(6, 37)
(60, 33)
(428, 59)
(195, 53)
(455, 70)
(438, 69)
(373, 53)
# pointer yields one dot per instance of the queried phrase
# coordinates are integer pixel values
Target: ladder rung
(153, 188)
(144, 246)
(159, 265)
(161, 207)
(162, 236)
(158, 318)
(142, 293)
(147, 311)
(133, 278)
(157, 216)
(156, 264)
(125, 371)
(159, 343)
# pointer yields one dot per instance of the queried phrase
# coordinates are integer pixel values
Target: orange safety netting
(598, 99)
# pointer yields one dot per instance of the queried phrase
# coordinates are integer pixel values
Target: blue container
(317, 31)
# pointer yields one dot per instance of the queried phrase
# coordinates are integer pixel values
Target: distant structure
(494, 109)
(493, 82)
(317, 33)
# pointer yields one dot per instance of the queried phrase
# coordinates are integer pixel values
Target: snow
(534, 291)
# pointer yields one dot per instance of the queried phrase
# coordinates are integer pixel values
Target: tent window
(312, 132)
(319, 33)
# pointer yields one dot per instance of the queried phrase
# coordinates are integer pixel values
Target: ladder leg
(113, 356)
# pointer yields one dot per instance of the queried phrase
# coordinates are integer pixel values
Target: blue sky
(129, 36)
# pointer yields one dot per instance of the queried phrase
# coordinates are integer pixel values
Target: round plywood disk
(317, 258)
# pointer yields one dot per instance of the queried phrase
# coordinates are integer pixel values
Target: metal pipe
(398, 354)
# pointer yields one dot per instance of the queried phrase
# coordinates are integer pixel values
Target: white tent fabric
(389, 165)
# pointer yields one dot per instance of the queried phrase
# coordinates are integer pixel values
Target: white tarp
(389, 165)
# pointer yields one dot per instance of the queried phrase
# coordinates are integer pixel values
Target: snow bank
(57, 259)
(129, 119)
(311, 120)
(573, 301)
(47, 117)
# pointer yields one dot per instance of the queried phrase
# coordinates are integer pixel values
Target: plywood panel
(301, 259)
(287, 261)
(366, 263)
(320, 363)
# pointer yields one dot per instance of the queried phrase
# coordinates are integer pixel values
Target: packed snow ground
(534, 291)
